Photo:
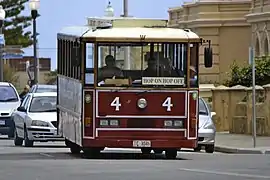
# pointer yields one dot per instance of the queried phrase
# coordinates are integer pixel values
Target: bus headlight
(40, 123)
(168, 123)
(142, 103)
(114, 123)
(103, 122)
(178, 123)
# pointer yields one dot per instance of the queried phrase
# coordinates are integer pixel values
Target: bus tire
(158, 151)
(146, 150)
(75, 149)
(91, 152)
(171, 154)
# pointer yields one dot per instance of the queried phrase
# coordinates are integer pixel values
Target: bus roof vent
(103, 26)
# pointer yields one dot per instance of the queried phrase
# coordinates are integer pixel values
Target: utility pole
(127, 62)
(125, 8)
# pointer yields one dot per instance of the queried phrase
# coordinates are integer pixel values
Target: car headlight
(209, 125)
(142, 103)
(40, 123)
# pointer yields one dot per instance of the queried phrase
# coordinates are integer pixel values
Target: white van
(9, 102)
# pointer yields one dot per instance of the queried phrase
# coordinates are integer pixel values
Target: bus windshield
(142, 64)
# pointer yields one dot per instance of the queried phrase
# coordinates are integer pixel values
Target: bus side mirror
(208, 57)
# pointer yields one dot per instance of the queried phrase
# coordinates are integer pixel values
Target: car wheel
(171, 154)
(27, 142)
(209, 148)
(198, 148)
(17, 140)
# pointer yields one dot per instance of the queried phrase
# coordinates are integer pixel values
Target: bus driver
(110, 70)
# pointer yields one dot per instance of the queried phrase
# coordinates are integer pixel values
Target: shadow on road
(62, 156)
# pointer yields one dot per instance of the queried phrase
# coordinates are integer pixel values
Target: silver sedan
(207, 129)
(36, 119)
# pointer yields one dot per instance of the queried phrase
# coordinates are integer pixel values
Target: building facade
(224, 23)
(259, 18)
(20, 64)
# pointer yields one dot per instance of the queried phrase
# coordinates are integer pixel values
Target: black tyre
(27, 142)
(171, 154)
(17, 140)
(209, 148)
(158, 151)
(198, 148)
(91, 152)
(146, 150)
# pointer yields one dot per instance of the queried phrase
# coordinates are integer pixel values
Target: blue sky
(56, 14)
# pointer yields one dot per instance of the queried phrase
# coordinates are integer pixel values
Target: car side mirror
(213, 114)
(22, 109)
(208, 57)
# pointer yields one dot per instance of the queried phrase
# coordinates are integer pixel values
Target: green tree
(10, 75)
(243, 75)
(16, 23)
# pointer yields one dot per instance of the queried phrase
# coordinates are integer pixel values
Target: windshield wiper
(8, 100)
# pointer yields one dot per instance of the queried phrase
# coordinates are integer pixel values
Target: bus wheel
(75, 149)
(146, 150)
(171, 154)
(158, 151)
(91, 152)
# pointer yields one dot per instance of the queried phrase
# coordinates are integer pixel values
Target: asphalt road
(52, 161)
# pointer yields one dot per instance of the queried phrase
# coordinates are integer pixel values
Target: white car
(207, 129)
(9, 102)
(36, 119)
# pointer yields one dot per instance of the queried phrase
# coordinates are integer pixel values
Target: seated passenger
(170, 70)
(110, 70)
(151, 70)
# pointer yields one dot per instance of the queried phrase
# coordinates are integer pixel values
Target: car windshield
(202, 108)
(43, 104)
(45, 89)
(8, 94)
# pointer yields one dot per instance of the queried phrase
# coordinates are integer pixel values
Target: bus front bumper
(127, 143)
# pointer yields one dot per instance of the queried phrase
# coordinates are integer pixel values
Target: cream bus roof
(130, 33)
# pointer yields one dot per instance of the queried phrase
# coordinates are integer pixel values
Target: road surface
(51, 161)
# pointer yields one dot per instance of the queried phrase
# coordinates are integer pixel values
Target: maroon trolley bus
(133, 87)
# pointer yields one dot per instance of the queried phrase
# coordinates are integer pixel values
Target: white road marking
(47, 155)
(225, 173)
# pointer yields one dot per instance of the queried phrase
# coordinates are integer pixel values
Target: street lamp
(2, 18)
(34, 6)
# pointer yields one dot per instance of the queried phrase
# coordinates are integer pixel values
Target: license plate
(141, 143)
(2, 122)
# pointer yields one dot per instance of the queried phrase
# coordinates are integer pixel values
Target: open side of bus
(152, 112)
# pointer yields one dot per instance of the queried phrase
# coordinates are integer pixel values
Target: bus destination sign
(175, 81)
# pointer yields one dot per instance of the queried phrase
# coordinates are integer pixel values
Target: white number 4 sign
(116, 103)
(168, 103)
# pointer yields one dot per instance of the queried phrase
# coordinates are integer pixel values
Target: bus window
(194, 59)
(142, 64)
(89, 71)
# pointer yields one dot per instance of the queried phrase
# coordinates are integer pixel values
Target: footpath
(241, 144)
